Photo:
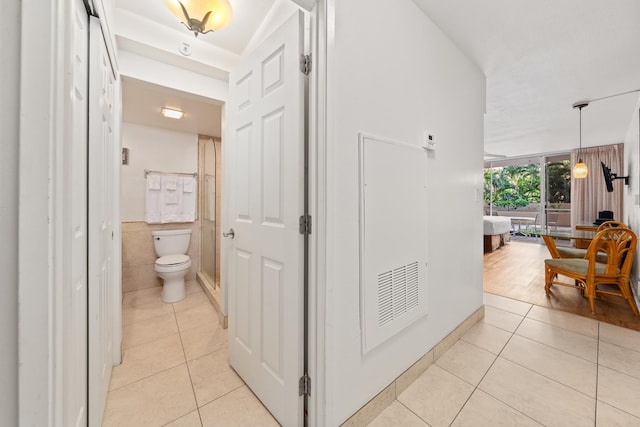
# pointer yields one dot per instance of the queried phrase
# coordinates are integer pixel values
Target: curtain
(589, 195)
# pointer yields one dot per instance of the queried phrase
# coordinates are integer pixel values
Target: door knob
(230, 233)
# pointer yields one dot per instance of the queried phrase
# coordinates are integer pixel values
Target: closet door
(102, 164)
(74, 240)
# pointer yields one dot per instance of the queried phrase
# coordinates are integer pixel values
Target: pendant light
(201, 16)
(580, 169)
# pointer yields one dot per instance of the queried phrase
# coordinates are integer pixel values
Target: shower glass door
(208, 212)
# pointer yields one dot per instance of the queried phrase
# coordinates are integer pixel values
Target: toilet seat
(174, 260)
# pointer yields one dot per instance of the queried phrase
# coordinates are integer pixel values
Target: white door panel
(101, 198)
(75, 228)
(265, 115)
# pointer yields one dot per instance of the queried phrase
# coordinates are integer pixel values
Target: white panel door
(74, 312)
(265, 160)
(101, 193)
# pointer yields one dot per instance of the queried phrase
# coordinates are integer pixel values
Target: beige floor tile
(153, 401)
(197, 315)
(147, 359)
(397, 414)
(482, 410)
(239, 408)
(562, 339)
(203, 339)
(192, 419)
(212, 376)
(141, 297)
(487, 337)
(579, 324)
(619, 359)
(140, 312)
(437, 396)
(572, 371)
(542, 399)
(191, 300)
(619, 390)
(149, 330)
(501, 319)
(192, 286)
(466, 361)
(608, 416)
(507, 304)
(622, 337)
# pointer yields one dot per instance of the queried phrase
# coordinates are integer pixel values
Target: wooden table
(584, 244)
(583, 237)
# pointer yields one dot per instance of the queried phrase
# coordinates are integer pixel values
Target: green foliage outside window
(517, 186)
(559, 182)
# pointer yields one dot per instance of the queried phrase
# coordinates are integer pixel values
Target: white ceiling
(147, 28)
(539, 58)
(142, 102)
(247, 17)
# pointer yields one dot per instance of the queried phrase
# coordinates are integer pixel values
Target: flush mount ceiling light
(580, 170)
(201, 16)
(171, 113)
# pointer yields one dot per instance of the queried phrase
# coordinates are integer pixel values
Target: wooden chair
(592, 277)
(565, 252)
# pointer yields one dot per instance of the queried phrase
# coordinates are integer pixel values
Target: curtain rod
(147, 172)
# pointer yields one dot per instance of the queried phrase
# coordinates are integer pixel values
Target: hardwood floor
(516, 271)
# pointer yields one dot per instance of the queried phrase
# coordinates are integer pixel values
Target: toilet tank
(170, 242)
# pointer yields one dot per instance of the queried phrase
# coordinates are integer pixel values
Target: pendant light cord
(580, 149)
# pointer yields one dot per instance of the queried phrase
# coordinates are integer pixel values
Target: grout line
(477, 387)
(410, 410)
(558, 349)
(186, 362)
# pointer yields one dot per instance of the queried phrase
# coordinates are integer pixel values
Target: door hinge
(305, 64)
(305, 224)
(304, 385)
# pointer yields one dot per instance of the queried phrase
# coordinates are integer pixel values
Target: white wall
(153, 149)
(632, 191)
(393, 74)
(9, 123)
(161, 74)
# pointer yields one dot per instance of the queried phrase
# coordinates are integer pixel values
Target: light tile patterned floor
(175, 370)
(528, 366)
(522, 365)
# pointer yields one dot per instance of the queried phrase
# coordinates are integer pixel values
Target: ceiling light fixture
(580, 170)
(171, 113)
(201, 16)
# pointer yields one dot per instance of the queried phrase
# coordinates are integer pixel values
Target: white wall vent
(397, 292)
(393, 237)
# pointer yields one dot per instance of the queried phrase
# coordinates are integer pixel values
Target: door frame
(40, 265)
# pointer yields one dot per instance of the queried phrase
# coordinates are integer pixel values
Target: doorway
(534, 191)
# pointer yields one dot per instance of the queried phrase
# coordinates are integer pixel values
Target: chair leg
(626, 292)
(548, 278)
(590, 292)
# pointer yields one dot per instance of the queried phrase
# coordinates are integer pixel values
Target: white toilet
(171, 246)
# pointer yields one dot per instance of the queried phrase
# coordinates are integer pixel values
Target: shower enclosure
(209, 165)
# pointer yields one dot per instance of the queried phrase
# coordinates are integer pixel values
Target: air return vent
(397, 292)
(393, 238)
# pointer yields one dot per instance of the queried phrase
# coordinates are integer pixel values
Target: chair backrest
(609, 224)
(619, 244)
